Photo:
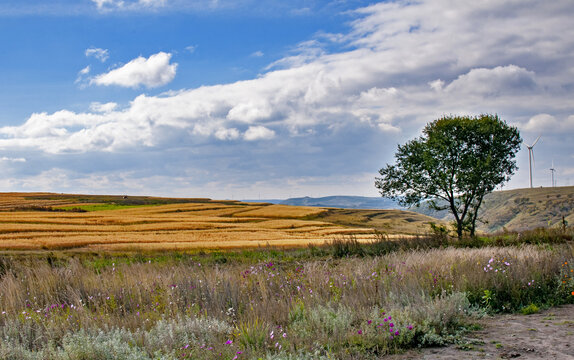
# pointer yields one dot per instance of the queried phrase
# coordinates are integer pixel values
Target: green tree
(453, 165)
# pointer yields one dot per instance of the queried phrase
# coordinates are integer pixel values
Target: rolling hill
(520, 209)
(345, 202)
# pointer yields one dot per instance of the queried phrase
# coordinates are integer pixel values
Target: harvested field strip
(197, 223)
(282, 211)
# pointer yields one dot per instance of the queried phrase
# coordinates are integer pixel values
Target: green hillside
(520, 209)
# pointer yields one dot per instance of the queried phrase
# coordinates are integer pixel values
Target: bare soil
(545, 335)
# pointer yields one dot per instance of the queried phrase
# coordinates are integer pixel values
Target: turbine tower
(552, 170)
(531, 156)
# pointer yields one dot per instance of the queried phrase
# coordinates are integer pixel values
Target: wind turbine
(531, 156)
(552, 170)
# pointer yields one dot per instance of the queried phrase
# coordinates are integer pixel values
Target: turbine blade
(538, 138)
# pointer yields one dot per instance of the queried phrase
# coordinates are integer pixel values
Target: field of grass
(307, 303)
(106, 223)
(148, 282)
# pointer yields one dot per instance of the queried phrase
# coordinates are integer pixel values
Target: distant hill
(519, 209)
(345, 202)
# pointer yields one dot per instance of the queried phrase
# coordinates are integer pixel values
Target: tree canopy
(457, 159)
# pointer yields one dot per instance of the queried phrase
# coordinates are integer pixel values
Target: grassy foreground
(308, 303)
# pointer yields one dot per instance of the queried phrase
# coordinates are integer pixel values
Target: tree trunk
(459, 227)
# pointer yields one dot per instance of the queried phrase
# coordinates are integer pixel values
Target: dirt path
(546, 335)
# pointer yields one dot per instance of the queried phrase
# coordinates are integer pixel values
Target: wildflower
(369, 322)
(391, 325)
(360, 332)
(272, 335)
(229, 342)
(284, 335)
(410, 327)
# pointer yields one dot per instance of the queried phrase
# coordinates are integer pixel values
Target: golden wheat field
(41, 221)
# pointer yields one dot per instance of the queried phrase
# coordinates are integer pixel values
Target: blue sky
(272, 99)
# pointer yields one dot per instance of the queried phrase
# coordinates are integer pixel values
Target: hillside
(344, 202)
(520, 209)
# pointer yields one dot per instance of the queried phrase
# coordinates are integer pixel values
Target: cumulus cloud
(227, 134)
(152, 72)
(546, 123)
(258, 133)
(493, 82)
(100, 54)
(398, 67)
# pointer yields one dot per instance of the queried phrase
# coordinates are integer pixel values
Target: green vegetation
(343, 300)
(457, 160)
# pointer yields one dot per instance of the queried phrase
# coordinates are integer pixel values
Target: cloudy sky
(263, 99)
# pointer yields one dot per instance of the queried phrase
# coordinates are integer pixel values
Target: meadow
(339, 297)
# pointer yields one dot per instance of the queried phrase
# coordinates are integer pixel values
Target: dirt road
(545, 335)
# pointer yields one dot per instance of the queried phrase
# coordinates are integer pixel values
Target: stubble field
(54, 222)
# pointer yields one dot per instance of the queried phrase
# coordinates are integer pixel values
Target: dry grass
(182, 226)
(334, 308)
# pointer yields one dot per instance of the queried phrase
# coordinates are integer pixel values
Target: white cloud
(227, 134)
(151, 72)
(436, 84)
(191, 48)
(100, 54)
(401, 65)
(496, 81)
(258, 53)
(546, 123)
(126, 5)
(258, 133)
(84, 71)
(249, 112)
(13, 160)
(103, 108)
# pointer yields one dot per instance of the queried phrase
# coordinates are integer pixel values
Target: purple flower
(360, 332)
(229, 342)
(391, 324)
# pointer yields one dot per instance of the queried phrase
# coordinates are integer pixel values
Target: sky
(268, 99)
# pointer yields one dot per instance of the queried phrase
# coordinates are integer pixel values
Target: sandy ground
(545, 335)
